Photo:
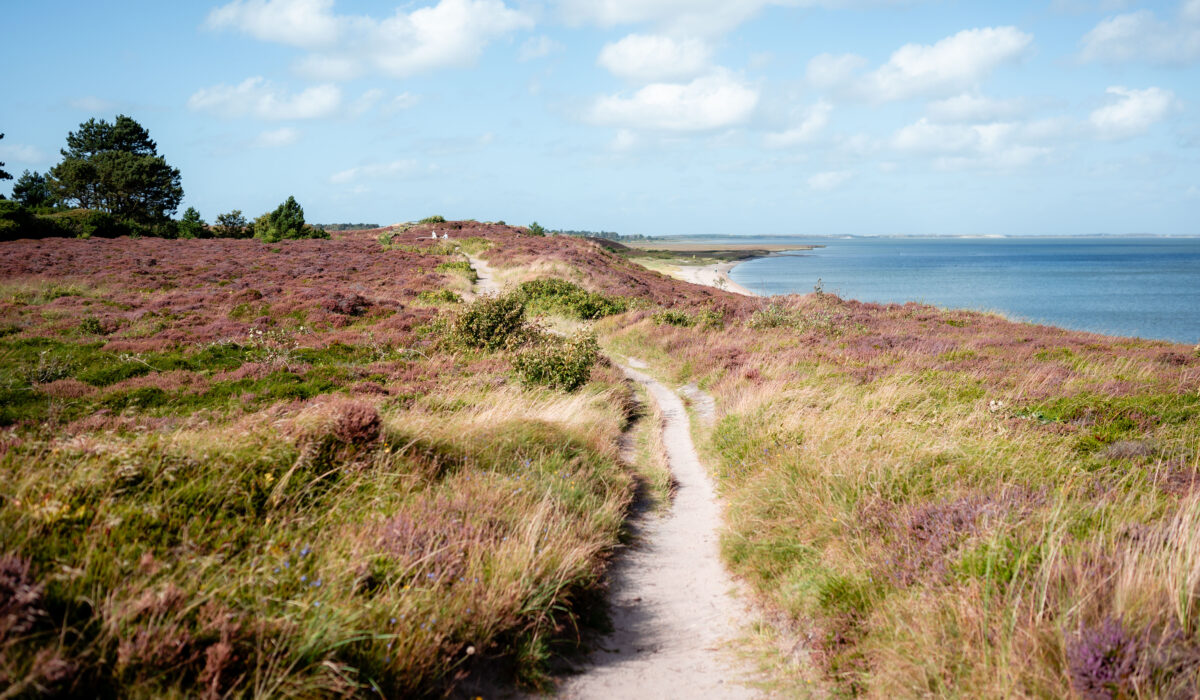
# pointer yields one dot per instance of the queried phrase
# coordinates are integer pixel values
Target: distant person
(433, 235)
(444, 236)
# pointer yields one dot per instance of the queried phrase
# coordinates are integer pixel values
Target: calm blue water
(1145, 287)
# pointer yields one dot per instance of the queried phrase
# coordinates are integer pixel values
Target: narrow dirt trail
(672, 611)
(486, 284)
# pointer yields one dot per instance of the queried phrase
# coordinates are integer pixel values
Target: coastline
(716, 276)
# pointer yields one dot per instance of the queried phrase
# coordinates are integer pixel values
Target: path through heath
(672, 610)
(671, 602)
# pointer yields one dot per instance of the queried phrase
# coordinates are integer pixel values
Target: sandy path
(486, 284)
(672, 611)
(712, 276)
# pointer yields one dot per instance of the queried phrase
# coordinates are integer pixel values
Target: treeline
(606, 235)
(112, 182)
(345, 227)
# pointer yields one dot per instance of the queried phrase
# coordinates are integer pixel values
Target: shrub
(671, 317)
(461, 267)
(535, 229)
(560, 296)
(770, 316)
(435, 219)
(491, 322)
(559, 363)
(440, 296)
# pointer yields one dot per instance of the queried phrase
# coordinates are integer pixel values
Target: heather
(233, 467)
(933, 502)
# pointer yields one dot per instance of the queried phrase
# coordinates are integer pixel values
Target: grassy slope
(948, 503)
(238, 468)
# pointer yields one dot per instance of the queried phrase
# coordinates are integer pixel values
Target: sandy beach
(711, 276)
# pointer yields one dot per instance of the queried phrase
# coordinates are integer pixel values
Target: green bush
(560, 296)
(435, 219)
(535, 229)
(191, 225)
(461, 267)
(559, 363)
(491, 323)
(440, 296)
(672, 317)
(232, 225)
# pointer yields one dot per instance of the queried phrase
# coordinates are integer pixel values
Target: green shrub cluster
(491, 323)
(560, 296)
(435, 296)
(673, 317)
(559, 363)
(776, 315)
(285, 223)
(435, 219)
(461, 267)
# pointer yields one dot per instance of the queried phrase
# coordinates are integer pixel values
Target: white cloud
(655, 57)
(816, 120)
(954, 63)
(1142, 35)
(538, 47)
(21, 153)
(999, 145)
(302, 23)
(401, 102)
(375, 171)
(450, 33)
(974, 108)
(277, 138)
(1134, 112)
(709, 102)
(830, 180)
(704, 17)
(258, 98)
(625, 140)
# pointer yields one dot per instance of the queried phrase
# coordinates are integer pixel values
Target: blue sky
(640, 116)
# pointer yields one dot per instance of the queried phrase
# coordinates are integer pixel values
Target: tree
(3, 173)
(116, 168)
(287, 221)
(535, 229)
(191, 225)
(31, 190)
(231, 225)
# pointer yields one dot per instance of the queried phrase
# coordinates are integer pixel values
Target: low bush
(461, 267)
(437, 296)
(435, 219)
(558, 363)
(672, 317)
(561, 296)
(490, 323)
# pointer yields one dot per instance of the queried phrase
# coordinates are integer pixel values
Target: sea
(1147, 287)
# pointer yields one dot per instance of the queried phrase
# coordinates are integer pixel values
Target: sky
(655, 117)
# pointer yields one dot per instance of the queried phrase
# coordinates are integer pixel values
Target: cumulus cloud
(830, 180)
(375, 171)
(1142, 36)
(277, 138)
(655, 57)
(807, 130)
(258, 98)
(303, 23)
(709, 102)
(450, 33)
(703, 17)
(954, 63)
(999, 145)
(1133, 112)
(974, 108)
